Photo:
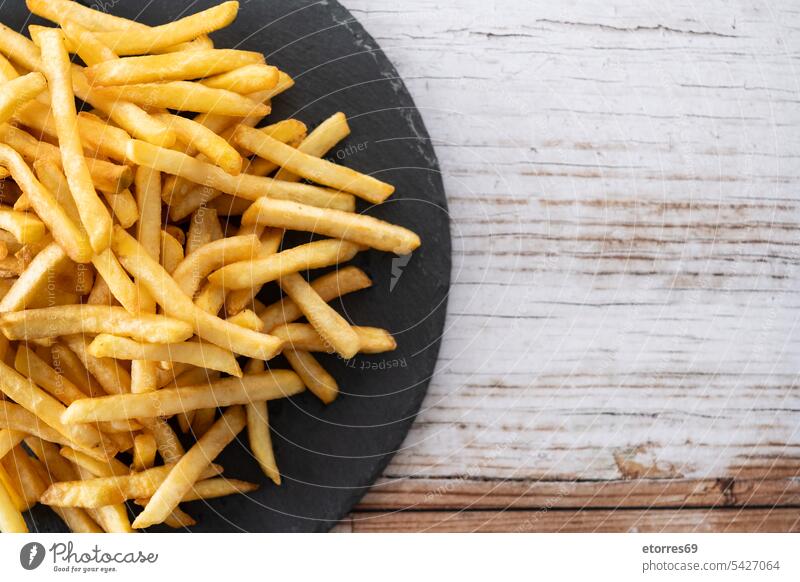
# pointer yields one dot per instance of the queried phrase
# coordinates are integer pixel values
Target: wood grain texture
(623, 184)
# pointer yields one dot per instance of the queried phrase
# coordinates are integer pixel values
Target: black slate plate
(329, 456)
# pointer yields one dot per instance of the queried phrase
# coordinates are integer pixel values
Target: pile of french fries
(134, 242)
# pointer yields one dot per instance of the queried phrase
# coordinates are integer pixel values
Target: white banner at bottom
(389, 557)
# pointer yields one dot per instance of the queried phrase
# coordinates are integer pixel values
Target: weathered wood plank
(623, 186)
(467, 492)
(554, 521)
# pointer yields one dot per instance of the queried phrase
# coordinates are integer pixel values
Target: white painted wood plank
(623, 183)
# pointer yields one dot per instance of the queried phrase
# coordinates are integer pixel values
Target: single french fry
(243, 185)
(171, 252)
(91, 319)
(332, 327)
(358, 228)
(313, 168)
(302, 336)
(94, 216)
(123, 206)
(171, 66)
(224, 392)
(319, 142)
(258, 431)
(179, 519)
(247, 318)
(212, 256)
(195, 353)
(18, 91)
(314, 255)
(328, 286)
(288, 131)
(245, 79)
(144, 452)
(93, 493)
(167, 293)
(198, 136)
(314, 376)
(74, 242)
(184, 96)
(167, 35)
(188, 469)
(61, 11)
(120, 285)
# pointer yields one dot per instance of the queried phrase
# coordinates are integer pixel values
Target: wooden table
(622, 347)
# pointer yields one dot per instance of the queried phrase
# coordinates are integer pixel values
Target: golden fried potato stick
(94, 216)
(166, 401)
(61, 11)
(97, 467)
(174, 302)
(91, 319)
(319, 142)
(248, 319)
(184, 96)
(212, 256)
(188, 469)
(123, 206)
(313, 168)
(204, 227)
(245, 79)
(74, 242)
(196, 353)
(25, 227)
(171, 252)
(178, 66)
(332, 327)
(243, 185)
(302, 336)
(258, 430)
(144, 452)
(168, 35)
(16, 92)
(358, 228)
(314, 255)
(328, 286)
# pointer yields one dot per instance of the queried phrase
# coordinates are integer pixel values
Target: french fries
(359, 228)
(185, 96)
(129, 287)
(171, 67)
(94, 216)
(313, 168)
(225, 392)
(51, 322)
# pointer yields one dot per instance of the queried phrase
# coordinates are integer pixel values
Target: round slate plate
(329, 456)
